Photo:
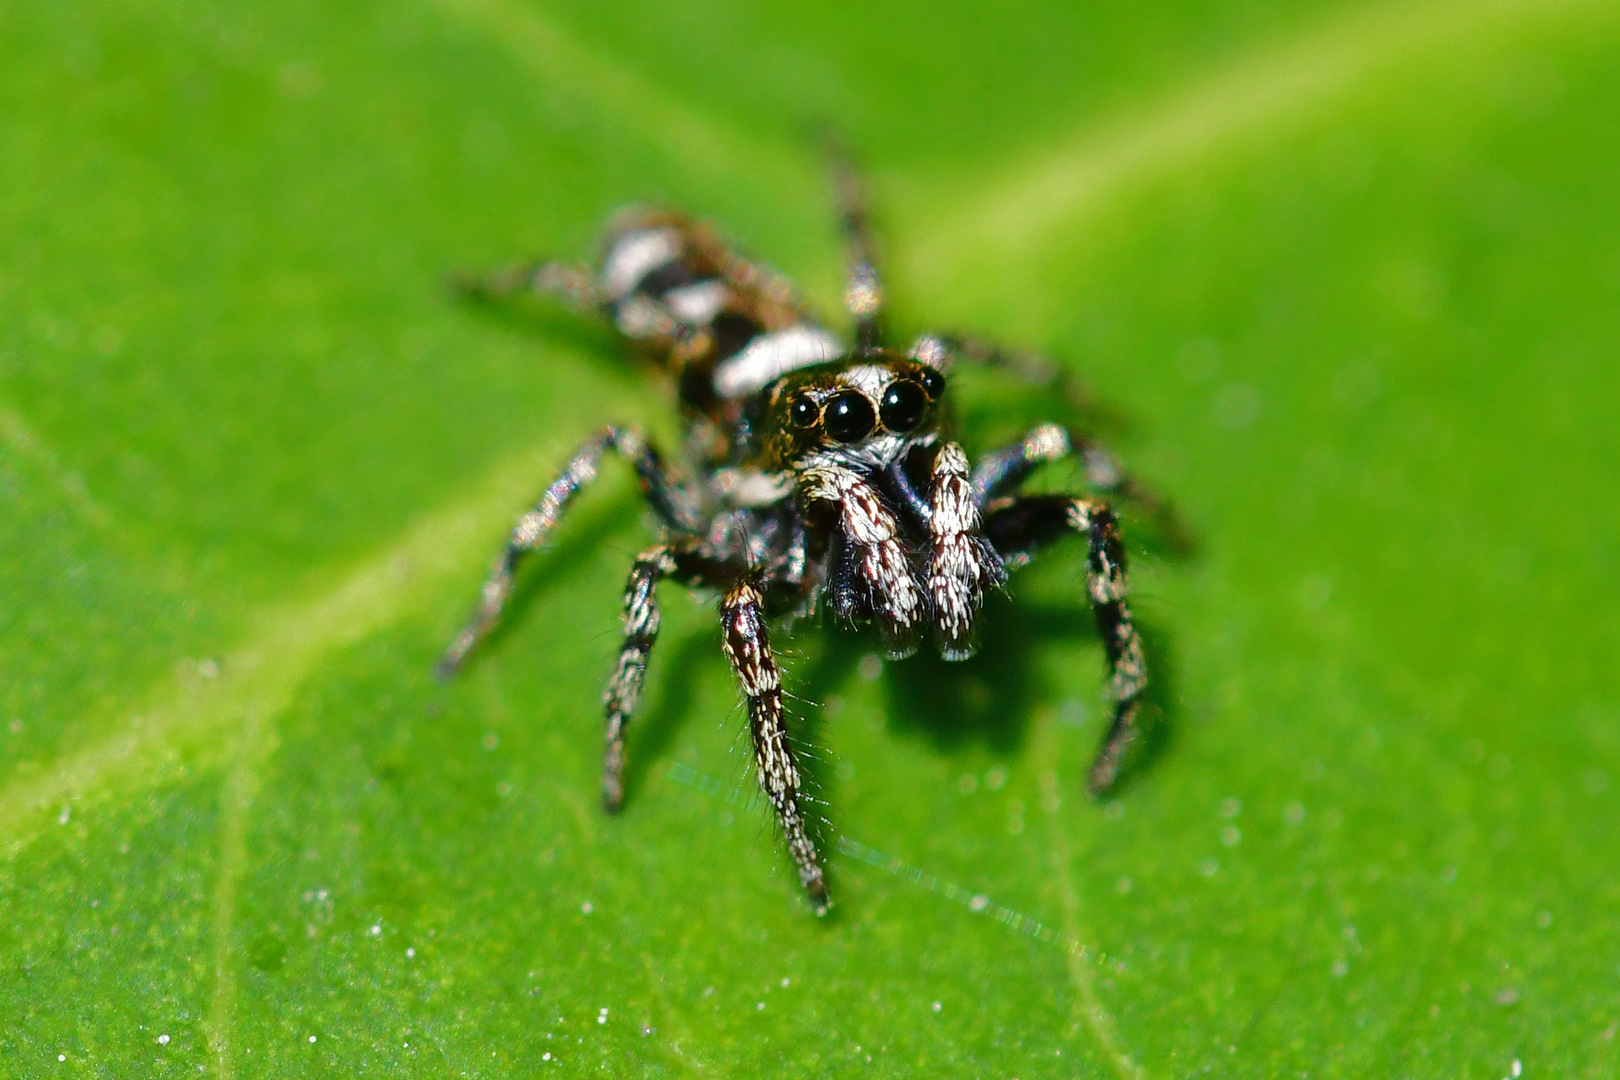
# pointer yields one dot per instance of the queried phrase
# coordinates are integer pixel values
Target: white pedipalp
(871, 528)
(961, 564)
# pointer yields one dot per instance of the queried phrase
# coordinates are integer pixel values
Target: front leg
(1001, 471)
(682, 562)
(1021, 527)
(668, 500)
(747, 645)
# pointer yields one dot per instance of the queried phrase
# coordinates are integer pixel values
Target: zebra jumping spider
(814, 472)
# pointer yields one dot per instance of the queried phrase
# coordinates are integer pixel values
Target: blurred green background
(1352, 271)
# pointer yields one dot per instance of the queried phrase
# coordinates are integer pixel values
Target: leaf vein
(1016, 212)
(258, 677)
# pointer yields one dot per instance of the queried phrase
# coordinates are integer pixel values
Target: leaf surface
(1350, 270)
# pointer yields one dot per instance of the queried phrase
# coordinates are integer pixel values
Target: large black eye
(802, 412)
(903, 405)
(933, 383)
(849, 417)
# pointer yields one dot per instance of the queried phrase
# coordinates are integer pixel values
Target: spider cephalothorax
(861, 437)
(815, 474)
(857, 407)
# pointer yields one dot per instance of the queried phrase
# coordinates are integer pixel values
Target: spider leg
(872, 557)
(747, 645)
(863, 291)
(1001, 471)
(1022, 526)
(574, 285)
(668, 500)
(943, 350)
(962, 564)
(682, 562)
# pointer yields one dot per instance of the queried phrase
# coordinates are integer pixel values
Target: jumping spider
(813, 472)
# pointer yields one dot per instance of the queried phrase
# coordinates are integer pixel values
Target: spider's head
(866, 407)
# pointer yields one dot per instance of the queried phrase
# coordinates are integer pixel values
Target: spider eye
(933, 383)
(903, 405)
(849, 417)
(802, 412)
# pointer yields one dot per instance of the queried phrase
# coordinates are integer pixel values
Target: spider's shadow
(990, 700)
(653, 736)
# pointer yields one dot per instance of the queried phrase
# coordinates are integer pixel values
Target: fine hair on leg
(1107, 584)
(747, 646)
(1021, 527)
(684, 562)
(534, 528)
(641, 623)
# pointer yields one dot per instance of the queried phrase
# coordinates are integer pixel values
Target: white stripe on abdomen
(770, 356)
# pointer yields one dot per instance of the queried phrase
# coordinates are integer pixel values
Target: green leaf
(1351, 272)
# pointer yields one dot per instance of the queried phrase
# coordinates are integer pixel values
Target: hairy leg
(747, 645)
(1001, 471)
(863, 292)
(962, 564)
(682, 562)
(534, 528)
(1021, 527)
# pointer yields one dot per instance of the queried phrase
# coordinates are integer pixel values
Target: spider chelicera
(813, 472)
